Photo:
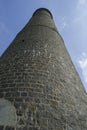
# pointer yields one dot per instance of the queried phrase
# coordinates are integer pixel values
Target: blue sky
(70, 17)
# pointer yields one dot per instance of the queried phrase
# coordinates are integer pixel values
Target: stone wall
(38, 77)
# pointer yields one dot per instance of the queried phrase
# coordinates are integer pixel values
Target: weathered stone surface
(7, 113)
(38, 77)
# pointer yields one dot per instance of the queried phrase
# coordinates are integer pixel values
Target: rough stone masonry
(39, 86)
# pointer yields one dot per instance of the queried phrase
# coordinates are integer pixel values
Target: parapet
(44, 10)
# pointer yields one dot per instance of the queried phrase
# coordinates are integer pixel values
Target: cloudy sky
(70, 17)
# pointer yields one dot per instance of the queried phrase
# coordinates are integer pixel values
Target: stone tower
(39, 86)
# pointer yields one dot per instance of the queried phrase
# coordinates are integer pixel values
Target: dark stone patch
(9, 128)
(1, 127)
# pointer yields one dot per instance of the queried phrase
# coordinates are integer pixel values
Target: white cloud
(82, 2)
(3, 28)
(64, 23)
(83, 65)
(81, 12)
(80, 19)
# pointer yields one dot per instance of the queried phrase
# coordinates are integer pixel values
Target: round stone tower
(39, 86)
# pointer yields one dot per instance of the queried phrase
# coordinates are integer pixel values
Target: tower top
(42, 9)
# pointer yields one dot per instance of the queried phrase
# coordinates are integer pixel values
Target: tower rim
(43, 9)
